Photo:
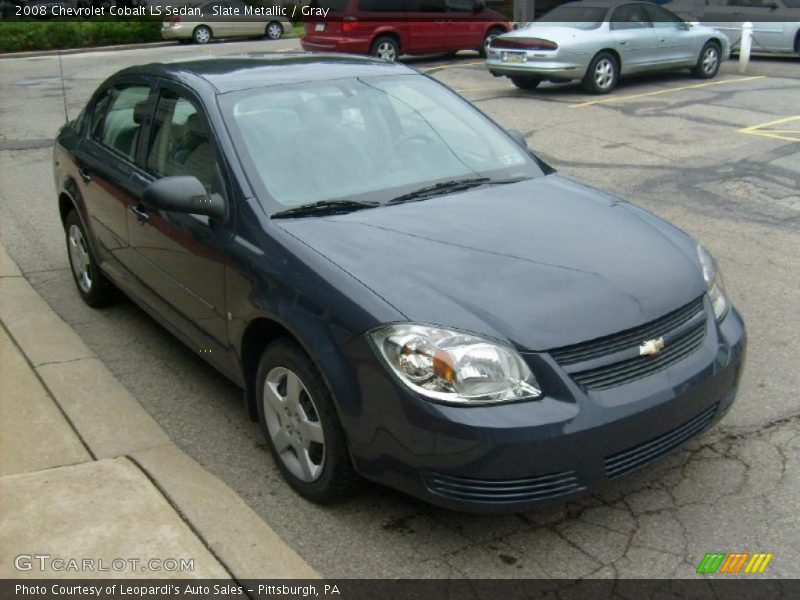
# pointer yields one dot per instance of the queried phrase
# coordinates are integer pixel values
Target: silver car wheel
(274, 31)
(294, 425)
(202, 35)
(604, 73)
(386, 51)
(80, 259)
(710, 60)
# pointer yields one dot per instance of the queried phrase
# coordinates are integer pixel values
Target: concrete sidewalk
(87, 475)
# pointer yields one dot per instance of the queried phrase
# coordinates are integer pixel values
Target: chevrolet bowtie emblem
(651, 347)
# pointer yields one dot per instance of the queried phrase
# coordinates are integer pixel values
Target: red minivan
(389, 28)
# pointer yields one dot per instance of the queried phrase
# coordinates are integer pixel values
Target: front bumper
(509, 457)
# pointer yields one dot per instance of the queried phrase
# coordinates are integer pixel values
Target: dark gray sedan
(402, 289)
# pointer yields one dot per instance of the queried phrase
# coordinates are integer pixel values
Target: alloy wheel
(294, 425)
(386, 51)
(710, 60)
(80, 259)
(604, 73)
(202, 35)
(274, 31)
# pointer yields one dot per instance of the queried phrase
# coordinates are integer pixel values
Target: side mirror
(519, 137)
(184, 194)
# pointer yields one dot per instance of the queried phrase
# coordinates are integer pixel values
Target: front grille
(503, 490)
(634, 458)
(630, 337)
(687, 329)
(636, 368)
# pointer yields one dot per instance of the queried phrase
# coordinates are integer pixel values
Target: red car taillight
(174, 21)
(349, 24)
(518, 43)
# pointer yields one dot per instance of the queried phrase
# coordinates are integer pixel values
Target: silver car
(202, 29)
(597, 41)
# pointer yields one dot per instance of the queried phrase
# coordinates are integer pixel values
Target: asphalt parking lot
(719, 158)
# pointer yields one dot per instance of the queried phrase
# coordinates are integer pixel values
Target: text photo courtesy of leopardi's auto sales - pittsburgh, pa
(399, 299)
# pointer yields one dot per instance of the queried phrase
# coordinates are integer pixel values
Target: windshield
(365, 139)
(582, 17)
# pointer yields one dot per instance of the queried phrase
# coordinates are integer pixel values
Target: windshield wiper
(324, 207)
(445, 187)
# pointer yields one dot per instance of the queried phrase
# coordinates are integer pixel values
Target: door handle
(141, 213)
(86, 175)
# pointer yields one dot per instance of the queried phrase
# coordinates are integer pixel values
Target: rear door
(106, 162)
(428, 29)
(465, 31)
(180, 258)
(634, 38)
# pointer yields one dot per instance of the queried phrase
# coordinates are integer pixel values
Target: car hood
(541, 263)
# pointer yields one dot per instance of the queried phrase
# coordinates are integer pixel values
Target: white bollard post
(744, 46)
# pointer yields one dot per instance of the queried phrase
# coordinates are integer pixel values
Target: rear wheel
(602, 75)
(94, 288)
(708, 62)
(201, 35)
(526, 83)
(490, 35)
(301, 425)
(385, 47)
(274, 31)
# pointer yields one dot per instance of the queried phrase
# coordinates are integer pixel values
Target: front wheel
(274, 31)
(386, 48)
(301, 425)
(94, 288)
(526, 83)
(602, 75)
(708, 62)
(201, 35)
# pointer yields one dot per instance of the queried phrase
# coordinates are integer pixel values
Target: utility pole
(524, 10)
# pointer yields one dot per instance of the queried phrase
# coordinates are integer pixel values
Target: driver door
(634, 38)
(179, 258)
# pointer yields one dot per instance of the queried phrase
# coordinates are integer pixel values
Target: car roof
(252, 71)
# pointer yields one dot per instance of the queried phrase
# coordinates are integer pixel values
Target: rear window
(582, 17)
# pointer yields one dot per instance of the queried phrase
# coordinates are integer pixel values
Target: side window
(426, 6)
(179, 141)
(629, 16)
(661, 17)
(117, 119)
(464, 6)
(381, 5)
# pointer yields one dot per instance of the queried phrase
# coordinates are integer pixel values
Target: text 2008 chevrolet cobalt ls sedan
(400, 287)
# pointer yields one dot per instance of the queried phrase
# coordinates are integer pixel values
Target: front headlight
(454, 367)
(714, 283)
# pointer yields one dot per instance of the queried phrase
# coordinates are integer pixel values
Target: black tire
(602, 76)
(201, 35)
(490, 35)
(337, 478)
(94, 288)
(385, 47)
(273, 30)
(526, 83)
(708, 62)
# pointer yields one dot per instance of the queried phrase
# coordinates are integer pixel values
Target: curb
(112, 424)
